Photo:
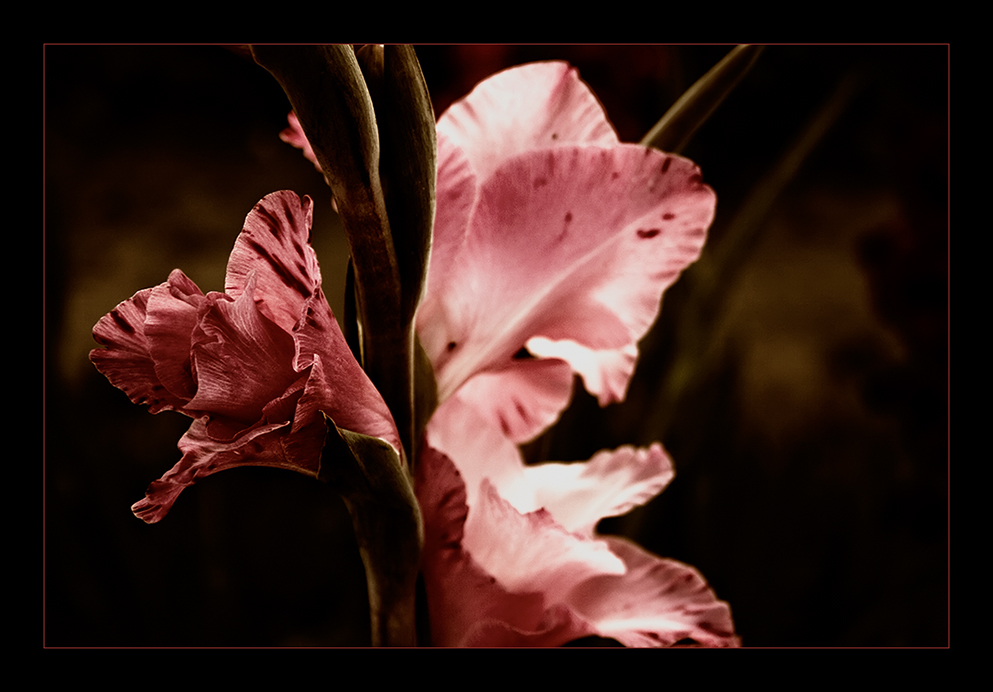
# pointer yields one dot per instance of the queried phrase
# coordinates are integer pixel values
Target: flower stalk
(378, 169)
(408, 170)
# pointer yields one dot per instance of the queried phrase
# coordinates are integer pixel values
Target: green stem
(329, 95)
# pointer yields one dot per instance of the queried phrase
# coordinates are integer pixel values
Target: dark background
(798, 375)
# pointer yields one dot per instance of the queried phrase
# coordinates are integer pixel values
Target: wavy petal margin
(575, 243)
(258, 367)
(523, 580)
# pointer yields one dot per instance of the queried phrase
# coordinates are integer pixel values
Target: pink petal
(610, 484)
(576, 242)
(289, 434)
(294, 136)
(486, 560)
(657, 602)
(511, 537)
(455, 197)
(606, 372)
(577, 495)
(531, 552)
(275, 246)
(523, 108)
(522, 399)
(259, 367)
(467, 606)
(549, 626)
(480, 451)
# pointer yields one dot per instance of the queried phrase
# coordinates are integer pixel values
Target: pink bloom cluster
(553, 244)
(554, 239)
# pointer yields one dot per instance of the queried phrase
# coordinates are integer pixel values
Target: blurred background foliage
(798, 374)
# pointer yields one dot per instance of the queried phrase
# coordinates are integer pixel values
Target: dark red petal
(243, 360)
(169, 326)
(126, 359)
(203, 455)
(274, 246)
(338, 385)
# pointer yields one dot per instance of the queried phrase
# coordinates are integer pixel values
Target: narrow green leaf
(408, 169)
(697, 355)
(425, 394)
(379, 493)
(351, 324)
(408, 166)
(673, 132)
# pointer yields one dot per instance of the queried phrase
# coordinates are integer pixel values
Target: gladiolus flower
(554, 241)
(553, 244)
(257, 367)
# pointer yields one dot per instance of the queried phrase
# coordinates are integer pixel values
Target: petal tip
(148, 511)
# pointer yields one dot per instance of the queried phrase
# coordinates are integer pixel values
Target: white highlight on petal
(605, 373)
(610, 484)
